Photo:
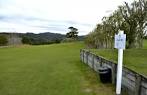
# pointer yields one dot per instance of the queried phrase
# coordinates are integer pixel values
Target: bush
(26, 40)
(145, 37)
(3, 40)
(68, 40)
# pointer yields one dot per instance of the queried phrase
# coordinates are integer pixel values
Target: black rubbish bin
(105, 74)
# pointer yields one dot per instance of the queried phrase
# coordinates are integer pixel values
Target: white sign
(120, 41)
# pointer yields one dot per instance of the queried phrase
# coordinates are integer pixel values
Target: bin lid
(101, 69)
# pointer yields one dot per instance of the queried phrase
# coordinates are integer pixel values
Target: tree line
(41, 38)
(131, 18)
(3, 40)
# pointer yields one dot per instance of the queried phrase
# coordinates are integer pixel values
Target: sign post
(120, 41)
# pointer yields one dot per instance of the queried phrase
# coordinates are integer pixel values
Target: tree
(26, 40)
(132, 18)
(3, 40)
(72, 33)
(135, 16)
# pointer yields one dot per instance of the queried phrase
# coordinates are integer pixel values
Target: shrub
(68, 40)
(3, 40)
(26, 40)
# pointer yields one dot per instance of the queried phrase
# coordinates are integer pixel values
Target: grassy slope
(48, 70)
(135, 59)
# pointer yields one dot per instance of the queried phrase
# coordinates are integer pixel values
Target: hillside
(41, 38)
(45, 36)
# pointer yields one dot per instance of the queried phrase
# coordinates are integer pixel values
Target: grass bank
(135, 59)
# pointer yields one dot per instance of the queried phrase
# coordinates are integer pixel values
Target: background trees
(42, 38)
(3, 40)
(132, 18)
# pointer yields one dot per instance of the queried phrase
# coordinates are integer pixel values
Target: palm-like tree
(72, 33)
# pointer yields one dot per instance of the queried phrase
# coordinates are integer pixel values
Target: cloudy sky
(54, 15)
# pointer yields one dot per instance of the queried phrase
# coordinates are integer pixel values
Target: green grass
(48, 70)
(135, 59)
(145, 44)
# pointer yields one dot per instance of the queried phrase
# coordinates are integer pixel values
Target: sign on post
(120, 43)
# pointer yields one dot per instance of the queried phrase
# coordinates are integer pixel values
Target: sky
(55, 16)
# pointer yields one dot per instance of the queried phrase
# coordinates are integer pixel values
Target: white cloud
(54, 15)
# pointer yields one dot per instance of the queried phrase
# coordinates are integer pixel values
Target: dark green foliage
(42, 38)
(145, 37)
(26, 40)
(3, 40)
(73, 33)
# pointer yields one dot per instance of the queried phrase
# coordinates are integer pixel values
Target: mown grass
(135, 59)
(48, 70)
(145, 44)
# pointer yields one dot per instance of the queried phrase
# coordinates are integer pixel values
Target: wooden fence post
(93, 61)
(137, 84)
(113, 73)
(87, 53)
(83, 55)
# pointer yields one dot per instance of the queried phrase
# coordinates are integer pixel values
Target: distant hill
(31, 38)
(49, 36)
(81, 38)
(45, 36)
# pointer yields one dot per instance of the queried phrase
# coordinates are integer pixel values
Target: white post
(119, 68)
